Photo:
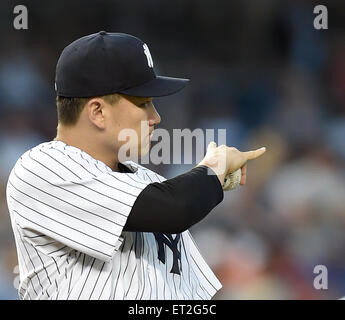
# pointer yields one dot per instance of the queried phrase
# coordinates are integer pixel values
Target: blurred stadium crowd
(261, 71)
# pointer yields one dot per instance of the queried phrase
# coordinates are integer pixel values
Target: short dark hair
(69, 109)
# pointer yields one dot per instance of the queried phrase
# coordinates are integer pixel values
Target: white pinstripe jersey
(68, 210)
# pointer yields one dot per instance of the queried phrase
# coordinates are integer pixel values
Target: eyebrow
(144, 101)
(138, 100)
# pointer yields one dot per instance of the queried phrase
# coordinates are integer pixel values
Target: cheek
(125, 122)
(115, 129)
(140, 123)
(120, 121)
(139, 130)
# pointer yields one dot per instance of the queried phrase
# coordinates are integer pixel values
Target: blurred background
(261, 71)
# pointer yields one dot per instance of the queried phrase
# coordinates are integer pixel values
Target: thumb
(212, 145)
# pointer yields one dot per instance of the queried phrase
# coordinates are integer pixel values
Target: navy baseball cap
(104, 63)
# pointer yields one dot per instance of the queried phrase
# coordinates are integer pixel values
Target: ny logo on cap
(148, 55)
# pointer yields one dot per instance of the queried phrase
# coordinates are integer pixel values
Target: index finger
(250, 155)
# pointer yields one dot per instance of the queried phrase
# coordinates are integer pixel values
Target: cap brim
(158, 87)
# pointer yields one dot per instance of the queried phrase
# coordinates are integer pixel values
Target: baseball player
(90, 226)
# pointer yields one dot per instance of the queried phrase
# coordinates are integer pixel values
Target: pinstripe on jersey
(68, 211)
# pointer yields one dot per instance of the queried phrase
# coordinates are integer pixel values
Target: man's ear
(95, 112)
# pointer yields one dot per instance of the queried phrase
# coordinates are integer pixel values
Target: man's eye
(145, 104)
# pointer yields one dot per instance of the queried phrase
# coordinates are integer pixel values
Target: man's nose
(155, 118)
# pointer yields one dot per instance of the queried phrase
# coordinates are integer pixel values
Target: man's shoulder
(39, 151)
(27, 164)
(55, 160)
(27, 155)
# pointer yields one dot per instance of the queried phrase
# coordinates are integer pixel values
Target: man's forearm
(176, 204)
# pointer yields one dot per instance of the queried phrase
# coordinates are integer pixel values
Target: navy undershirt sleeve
(174, 205)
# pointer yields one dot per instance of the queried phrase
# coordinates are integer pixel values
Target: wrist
(214, 166)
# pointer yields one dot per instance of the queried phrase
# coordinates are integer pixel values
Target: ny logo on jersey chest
(166, 240)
